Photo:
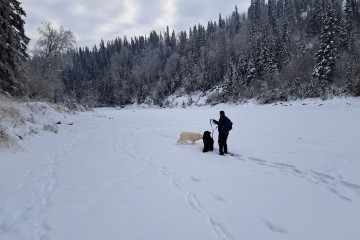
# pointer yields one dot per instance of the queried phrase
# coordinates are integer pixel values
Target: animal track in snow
(273, 227)
(217, 197)
(336, 185)
(217, 228)
(194, 179)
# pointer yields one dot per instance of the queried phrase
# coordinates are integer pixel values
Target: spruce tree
(315, 15)
(13, 46)
(326, 56)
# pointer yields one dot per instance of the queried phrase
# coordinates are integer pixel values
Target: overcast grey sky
(93, 20)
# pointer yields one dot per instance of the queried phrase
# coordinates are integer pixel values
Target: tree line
(278, 50)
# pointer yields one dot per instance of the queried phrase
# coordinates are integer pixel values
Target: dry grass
(5, 139)
(11, 115)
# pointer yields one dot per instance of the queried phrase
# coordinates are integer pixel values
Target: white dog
(189, 136)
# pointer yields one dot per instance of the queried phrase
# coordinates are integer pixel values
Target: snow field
(118, 174)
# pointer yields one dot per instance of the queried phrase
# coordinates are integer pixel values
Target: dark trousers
(222, 142)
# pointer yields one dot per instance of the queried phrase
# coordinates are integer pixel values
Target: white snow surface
(118, 174)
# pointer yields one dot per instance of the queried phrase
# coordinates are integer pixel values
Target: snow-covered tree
(272, 46)
(231, 82)
(326, 56)
(51, 56)
(13, 46)
(315, 17)
(51, 44)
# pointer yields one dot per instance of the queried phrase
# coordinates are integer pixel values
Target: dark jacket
(221, 125)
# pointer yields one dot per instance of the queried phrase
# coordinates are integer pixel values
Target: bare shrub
(64, 108)
(33, 130)
(34, 108)
(59, 108)
(51, 128)
(32, 119)
(71, 105)
(38, 108)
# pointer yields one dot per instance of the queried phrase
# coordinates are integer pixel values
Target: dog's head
(206, 134)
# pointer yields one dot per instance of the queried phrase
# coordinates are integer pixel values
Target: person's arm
(216, 122)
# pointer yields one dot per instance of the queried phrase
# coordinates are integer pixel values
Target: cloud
(93, 20)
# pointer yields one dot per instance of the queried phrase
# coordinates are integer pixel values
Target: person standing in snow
(224, 126)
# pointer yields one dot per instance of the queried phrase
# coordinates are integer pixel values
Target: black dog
(208, 142)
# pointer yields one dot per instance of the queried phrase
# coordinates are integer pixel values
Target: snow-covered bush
(5, 139)
(10, 115)
(215, 98)
(19, 120)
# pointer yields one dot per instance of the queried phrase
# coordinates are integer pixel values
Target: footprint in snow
(194, 179)
(217, 197)
(273, 227)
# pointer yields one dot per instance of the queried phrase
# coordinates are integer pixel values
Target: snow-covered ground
(118, 174)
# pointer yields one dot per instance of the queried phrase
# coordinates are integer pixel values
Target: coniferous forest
(277, 50)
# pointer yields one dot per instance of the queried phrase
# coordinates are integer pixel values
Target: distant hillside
(278, 50)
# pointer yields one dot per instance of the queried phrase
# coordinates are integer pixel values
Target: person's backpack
(228, 124)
